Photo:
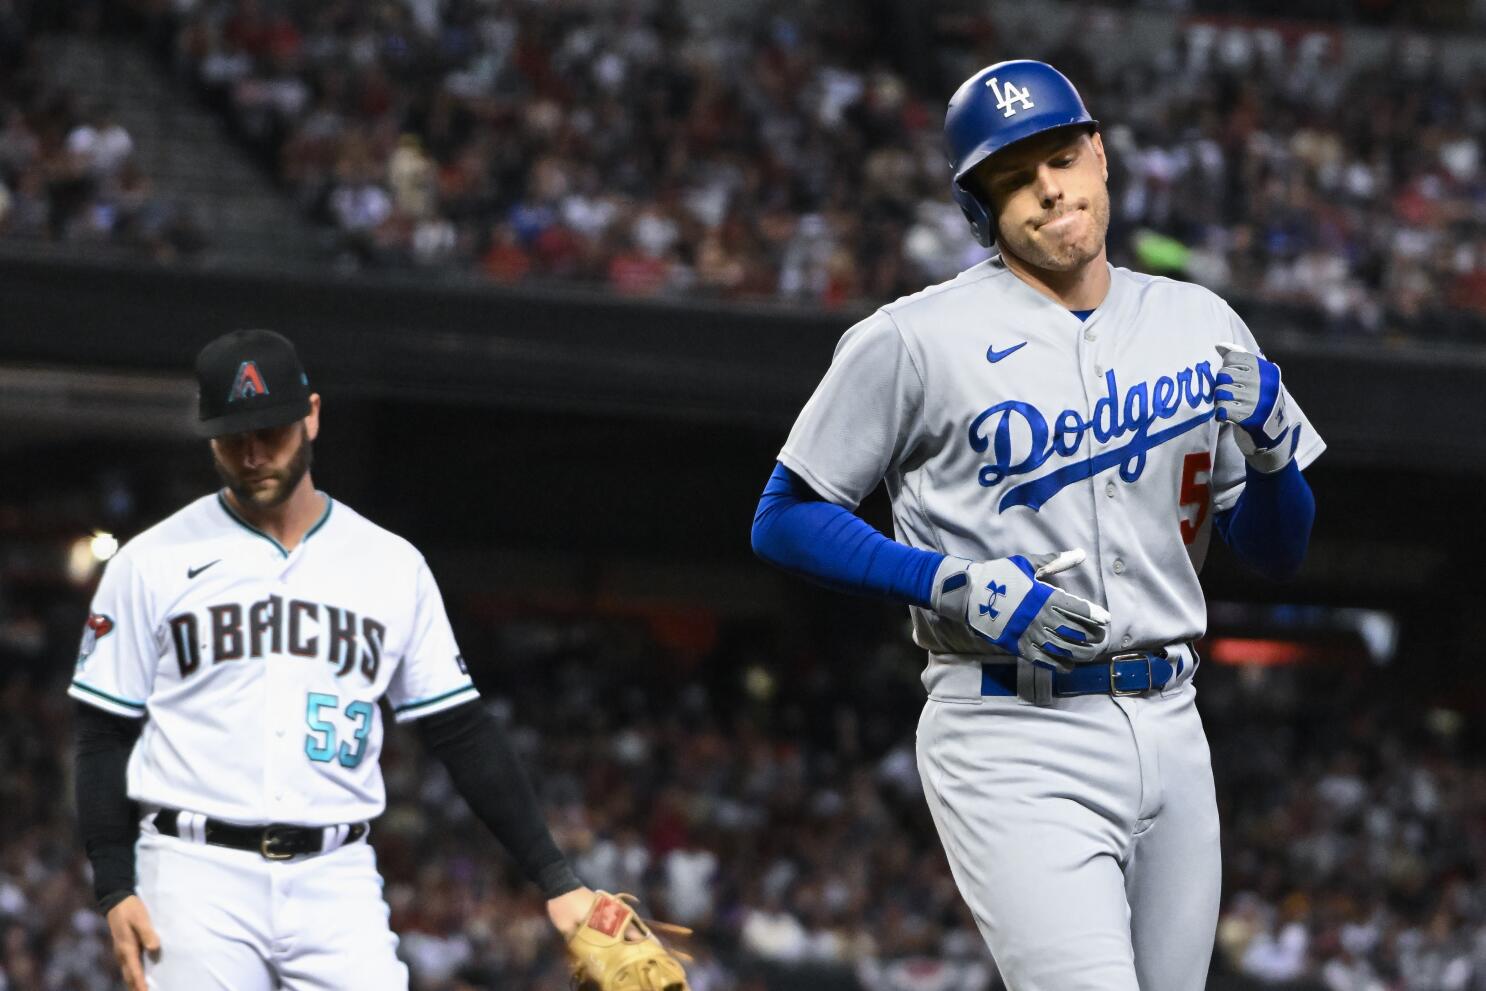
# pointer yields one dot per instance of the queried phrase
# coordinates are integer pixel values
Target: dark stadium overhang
(416, 337)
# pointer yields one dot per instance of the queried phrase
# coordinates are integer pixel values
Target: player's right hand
(133, 935)
(1005, 602)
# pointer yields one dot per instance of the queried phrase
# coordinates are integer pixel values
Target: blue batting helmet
(999, 106)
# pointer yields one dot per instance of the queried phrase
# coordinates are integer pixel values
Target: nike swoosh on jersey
(993, 356)
(193, 572)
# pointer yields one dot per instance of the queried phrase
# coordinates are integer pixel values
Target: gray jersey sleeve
(863, 417)
(1228, 472)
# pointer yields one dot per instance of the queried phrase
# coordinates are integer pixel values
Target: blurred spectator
(771, 932)
(70, 175)
(100, 145)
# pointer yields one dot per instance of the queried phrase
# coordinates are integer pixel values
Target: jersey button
(1098, 371)
(1125, 640)
(1109, 489)
(1089, 334)
(1119, 566)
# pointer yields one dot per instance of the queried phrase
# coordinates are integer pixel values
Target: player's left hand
(1251, 396)
(613, 949)
(568, 910)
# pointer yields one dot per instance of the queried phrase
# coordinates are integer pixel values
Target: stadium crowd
(775, 808)
(787, 157)
(654, 151)
(1352, 834)
(68, 169)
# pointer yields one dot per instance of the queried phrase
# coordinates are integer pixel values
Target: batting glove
(1006, 603)
(1251, 396)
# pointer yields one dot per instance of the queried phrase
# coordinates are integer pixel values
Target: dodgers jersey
(1003, 425)
(260, 668)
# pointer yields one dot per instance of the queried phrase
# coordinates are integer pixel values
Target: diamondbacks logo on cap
(249, 383)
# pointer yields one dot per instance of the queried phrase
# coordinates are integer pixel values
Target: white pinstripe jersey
(260, 669)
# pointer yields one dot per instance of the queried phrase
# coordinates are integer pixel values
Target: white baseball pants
(229, 920)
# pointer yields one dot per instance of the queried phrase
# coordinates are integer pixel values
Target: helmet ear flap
(976, 213)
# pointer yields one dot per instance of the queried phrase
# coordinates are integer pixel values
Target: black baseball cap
(248, 380)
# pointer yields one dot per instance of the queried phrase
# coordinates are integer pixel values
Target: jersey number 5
(319, 743)
(1195, 492)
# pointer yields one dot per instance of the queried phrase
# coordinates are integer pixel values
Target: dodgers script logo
(1134, 413)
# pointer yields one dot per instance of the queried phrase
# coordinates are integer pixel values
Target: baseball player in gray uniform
(1059, 439)
(229, 726)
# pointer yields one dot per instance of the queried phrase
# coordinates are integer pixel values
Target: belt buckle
(1150, 674)
(265, 846)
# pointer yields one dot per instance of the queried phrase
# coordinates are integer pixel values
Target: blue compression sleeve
(796, 530)
(1270, 525)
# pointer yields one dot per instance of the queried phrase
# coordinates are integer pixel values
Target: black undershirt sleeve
(470, 742)
(106, 817)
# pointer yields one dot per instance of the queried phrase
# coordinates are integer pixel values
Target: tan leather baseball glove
(614, 950)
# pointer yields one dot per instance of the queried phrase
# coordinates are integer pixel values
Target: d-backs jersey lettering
(260, 669)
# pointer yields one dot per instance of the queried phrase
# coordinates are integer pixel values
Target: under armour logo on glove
(990, 607)
(1023, 615)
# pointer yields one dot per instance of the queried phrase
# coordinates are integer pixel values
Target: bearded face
(262, 468)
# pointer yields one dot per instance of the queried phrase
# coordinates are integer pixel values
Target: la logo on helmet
(1009, 95)
(248, 383)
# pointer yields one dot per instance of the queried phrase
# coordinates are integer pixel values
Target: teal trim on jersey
(139, 706)
(227, 508)
(329, 505)
(422, 703)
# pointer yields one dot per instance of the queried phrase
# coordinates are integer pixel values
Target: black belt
(275, 841)
(1134, 673)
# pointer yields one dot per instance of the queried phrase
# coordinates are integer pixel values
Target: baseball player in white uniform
(1059, 439)
(236, 658)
